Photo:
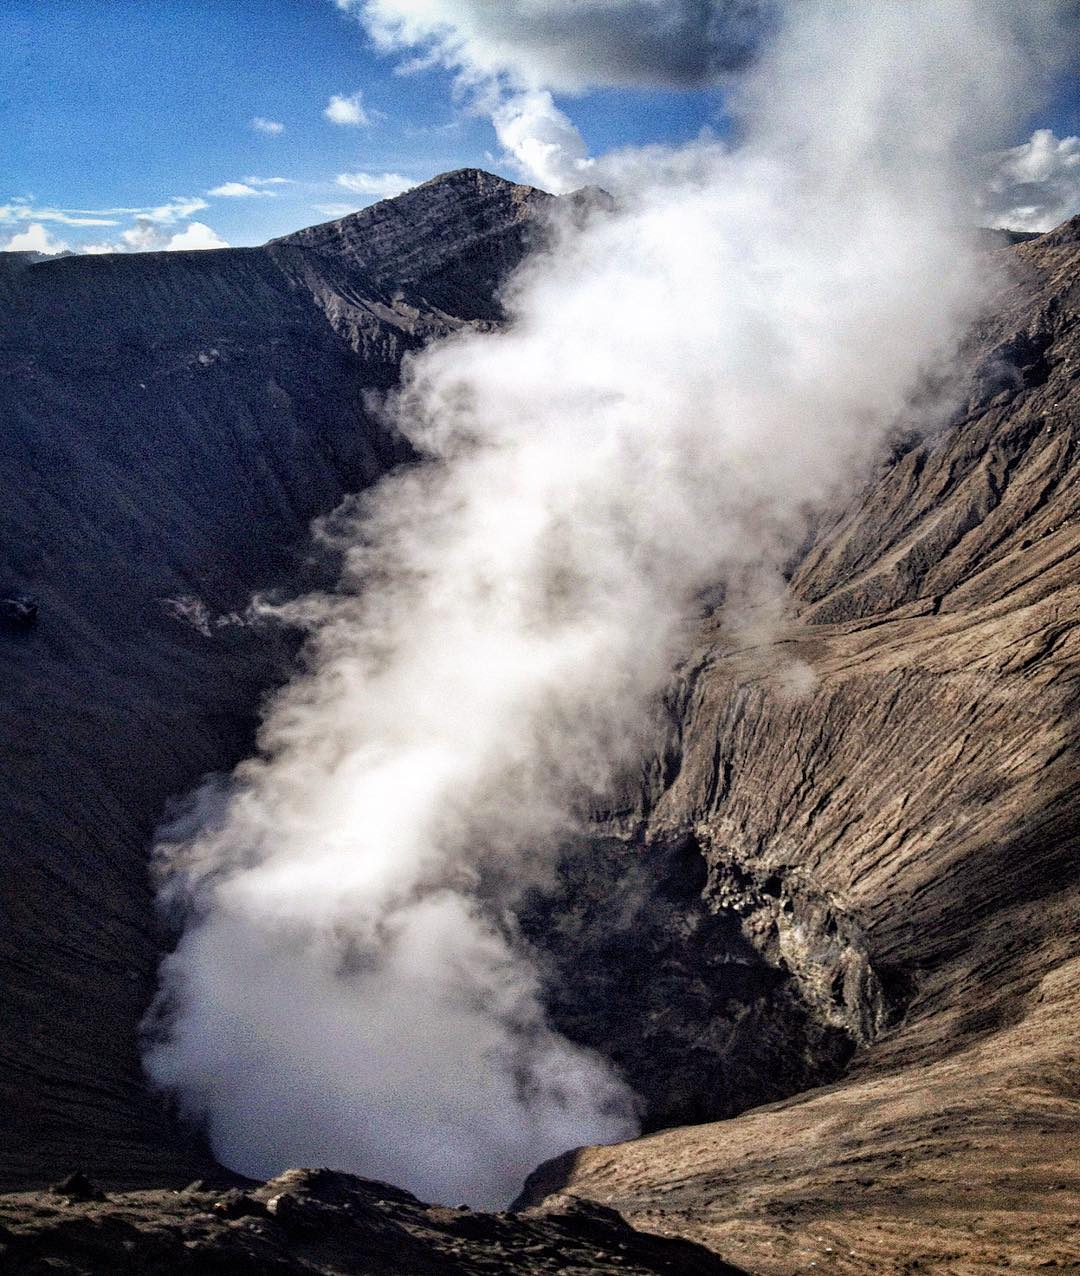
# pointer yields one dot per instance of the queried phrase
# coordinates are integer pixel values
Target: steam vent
(539, 730)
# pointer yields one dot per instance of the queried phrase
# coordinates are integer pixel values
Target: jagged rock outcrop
(921, 786)
(307, 1222)
(169, 425)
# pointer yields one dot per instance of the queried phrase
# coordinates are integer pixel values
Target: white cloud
(347, 110)
(248, 187)
(1036, 185)
(237, 190)
(69, 219)
(542, 141)
(174, 211)
(145, 237)
(510, 58)
(148, 236)
(23, 210)
(335, 211)
(35, 239)
(153, 229)
(380, 185)
(195, 235)
(571, 44)
(177, 209)
(270, 127)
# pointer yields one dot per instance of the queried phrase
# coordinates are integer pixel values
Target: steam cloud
(1036, 185)
(680, 384)
(508, 57)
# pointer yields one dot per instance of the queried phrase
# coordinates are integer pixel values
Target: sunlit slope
(919, 794)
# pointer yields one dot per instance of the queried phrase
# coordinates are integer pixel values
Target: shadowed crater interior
(692, 986)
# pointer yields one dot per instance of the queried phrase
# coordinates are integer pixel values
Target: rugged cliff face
(898, 841)
(169, 424)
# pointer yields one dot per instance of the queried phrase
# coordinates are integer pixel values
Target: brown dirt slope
(924, 788)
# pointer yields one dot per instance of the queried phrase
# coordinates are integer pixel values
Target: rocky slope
(899, 842)
(169, 424)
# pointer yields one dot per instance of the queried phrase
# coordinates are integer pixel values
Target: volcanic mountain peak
(452, 195)
(465, 228)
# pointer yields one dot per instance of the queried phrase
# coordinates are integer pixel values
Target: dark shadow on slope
(640, 966)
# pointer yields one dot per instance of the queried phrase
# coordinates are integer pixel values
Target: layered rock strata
(921, 790)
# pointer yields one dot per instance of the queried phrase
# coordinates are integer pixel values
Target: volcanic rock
(922, 779)
(77, 1187)
(334, 1224)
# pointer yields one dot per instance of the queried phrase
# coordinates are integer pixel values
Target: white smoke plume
(508, 58)
(680, 383)
(571, 45)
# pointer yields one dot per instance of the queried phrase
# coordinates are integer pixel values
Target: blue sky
(118, 109)
(112, 104)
